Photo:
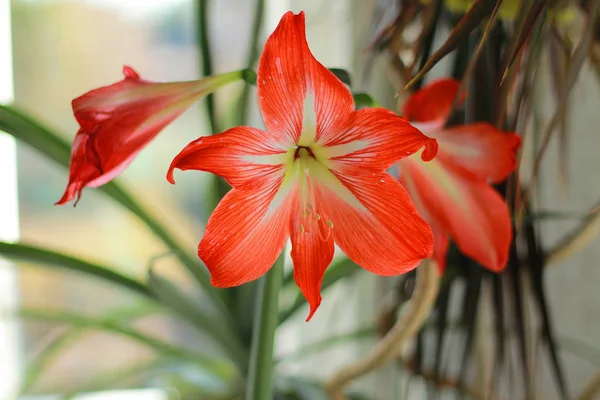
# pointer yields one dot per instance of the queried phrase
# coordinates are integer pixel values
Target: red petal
(376, 138)
(287, 74)
(379, 228)
(312, 252)
(433, 103)
(441, 242)
(245, 234)
(440, 237)
(471, 212)
(118, 121)
(479, 150)
(239, 155)
(130, 72)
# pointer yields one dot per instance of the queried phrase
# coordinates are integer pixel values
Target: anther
(306, 148)
(330, 224)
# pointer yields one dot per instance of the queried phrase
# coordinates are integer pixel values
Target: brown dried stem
(591, 389)
(391, 345)
(578, 239)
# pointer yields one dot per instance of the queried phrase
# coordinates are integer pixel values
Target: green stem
(260, 376)
(218, 184)
(206, 61)
(257, 23)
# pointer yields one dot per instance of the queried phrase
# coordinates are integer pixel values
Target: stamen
(302, 228)
(317, 216)
(330, 224)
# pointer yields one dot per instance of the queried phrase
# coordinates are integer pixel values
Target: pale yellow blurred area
(62, 49)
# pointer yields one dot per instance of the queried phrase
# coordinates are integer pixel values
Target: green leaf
(363, 100)
(218, 367)
(299, 389)
(26, 129)
(114, 377)
(343, 268)
(25, 252)
(326, 343)
(39, 364)
(206, 63)
(37, 367)
(249, 76)
(342, 75)
(205, 320)
(254, 44)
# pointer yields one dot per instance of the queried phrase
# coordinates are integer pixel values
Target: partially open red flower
(315, 175)
(118, 121)
(453, 192)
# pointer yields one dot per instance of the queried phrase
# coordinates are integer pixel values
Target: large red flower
(453, 192)
(118, 121)
(315, 175)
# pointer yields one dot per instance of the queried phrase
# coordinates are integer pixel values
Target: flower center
(303, 151)
(311, 215)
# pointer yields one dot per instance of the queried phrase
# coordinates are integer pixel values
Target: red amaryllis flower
(453, 192)
(315, 175)
(118, 121)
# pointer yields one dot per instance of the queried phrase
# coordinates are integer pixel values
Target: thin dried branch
(533, 13)
(480, 10)
(477, 53)
(391, 345)
(442, 382)
(560, 53)
(591, 389)
(578, 239)
(575, 65)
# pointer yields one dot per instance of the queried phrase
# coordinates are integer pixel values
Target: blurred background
(61, 49)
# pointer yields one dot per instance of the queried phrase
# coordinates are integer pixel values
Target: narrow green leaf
(37, 367)
(299, 389)
(114, 377)
(342, 75)
(250, 76)
(26, 129)
(206, 63)
(25, 252)
(39, 364)
(327, 343)
(363, 100)
(205, 320)
(220, 368)
(251, 57)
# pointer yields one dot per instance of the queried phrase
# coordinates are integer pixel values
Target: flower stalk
(260, 375)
